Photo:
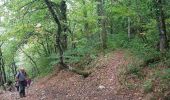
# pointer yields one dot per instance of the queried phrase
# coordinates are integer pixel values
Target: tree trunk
(63, 18)
(2, 68)
(86, 24)
(73, 43)
(58, 35)
(14, 68)
(104, 34)
(129, 29)
(102, 23)
(111, 28)
(163, 45)
(44, 47)
(58, 42)
(47, 46)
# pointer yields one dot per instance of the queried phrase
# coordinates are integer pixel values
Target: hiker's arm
(16, 77)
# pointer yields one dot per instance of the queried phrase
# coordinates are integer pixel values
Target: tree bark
(2, 68)
(44, 48)
(13, 68)
(58, 42)
(163, 45)
(86, 24)
(129, 28)
(63, 18)
(58, 35)
(102, 23)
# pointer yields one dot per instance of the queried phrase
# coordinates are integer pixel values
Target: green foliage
(82, 56)
(45, 66)
(135, 70)
(120, 11)
(118, 40)
(146, 52)
(29, 25)
(148, 86)
(164, 74)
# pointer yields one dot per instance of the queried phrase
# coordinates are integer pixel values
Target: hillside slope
(102, 84)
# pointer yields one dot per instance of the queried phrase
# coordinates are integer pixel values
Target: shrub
(117, 40)
(132, 69)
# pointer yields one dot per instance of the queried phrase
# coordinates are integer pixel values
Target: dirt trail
(102, 84)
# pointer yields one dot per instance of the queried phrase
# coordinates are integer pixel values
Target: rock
(101, 87)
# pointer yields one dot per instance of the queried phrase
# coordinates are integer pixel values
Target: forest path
(102, 84)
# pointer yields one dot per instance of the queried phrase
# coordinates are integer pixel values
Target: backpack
(25, 74)
(25, 81)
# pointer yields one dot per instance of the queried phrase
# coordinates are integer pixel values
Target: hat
(21, 68)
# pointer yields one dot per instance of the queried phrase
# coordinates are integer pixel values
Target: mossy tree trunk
(160, 18)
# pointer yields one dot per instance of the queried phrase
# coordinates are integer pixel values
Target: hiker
(21, 78)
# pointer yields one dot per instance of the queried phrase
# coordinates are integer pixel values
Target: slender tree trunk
(102, 23)
(111, 27)
(63, 18)
(137, 7)
(45, 49)
(163, 45)
(1, 75)
(129, 28)
(86, 24)
(2, 67)
(14, 68)
(47, 46)
(13, 72)
(73, 43)
(104, 34)
(3, 70)
(58, 35)
(129, 21)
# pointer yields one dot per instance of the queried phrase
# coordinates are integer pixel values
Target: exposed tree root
(80, 72)
(75, 70)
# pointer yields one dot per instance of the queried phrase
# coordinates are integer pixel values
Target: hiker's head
(22, 69)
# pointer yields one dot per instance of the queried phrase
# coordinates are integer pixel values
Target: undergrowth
(148, 70)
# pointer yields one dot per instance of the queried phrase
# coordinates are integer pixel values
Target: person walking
(21, 78)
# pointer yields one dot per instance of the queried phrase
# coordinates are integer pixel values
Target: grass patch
(148, 86)
(133, 69)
